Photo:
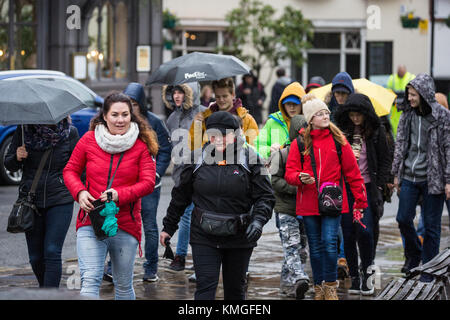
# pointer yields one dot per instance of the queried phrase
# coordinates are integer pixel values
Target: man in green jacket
(275, 132)
(397, 82)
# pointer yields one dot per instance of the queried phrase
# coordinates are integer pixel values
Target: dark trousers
(45, 242)
(149, 212)
(355, 235)
(207, 263)
(432, 213)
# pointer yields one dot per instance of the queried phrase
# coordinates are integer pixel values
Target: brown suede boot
(330, 290)
(318, 292)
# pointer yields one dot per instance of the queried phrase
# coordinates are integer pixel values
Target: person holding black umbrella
(233, 199)
(52, 199)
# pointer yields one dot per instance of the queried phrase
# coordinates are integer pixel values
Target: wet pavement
(264, 279)
(18, 282)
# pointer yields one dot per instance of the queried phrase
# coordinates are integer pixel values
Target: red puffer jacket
(328, 170)
(134, 179)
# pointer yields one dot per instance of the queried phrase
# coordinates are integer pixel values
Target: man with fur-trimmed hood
(185, 101)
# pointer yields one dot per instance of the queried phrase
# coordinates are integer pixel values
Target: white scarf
(116, 143)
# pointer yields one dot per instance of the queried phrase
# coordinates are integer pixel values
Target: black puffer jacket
(231, 189)
(51, 190)
(378, 152)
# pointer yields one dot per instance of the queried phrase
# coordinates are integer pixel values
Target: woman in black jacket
(233, 199)
(363, 129)
(53, 200)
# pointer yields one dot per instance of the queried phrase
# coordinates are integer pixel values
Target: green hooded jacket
(276, 129)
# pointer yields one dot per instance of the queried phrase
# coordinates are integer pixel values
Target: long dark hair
(146, 134)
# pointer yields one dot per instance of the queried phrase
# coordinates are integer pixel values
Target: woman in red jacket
(118, 147)
(322, 231)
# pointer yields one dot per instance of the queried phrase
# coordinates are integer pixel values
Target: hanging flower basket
(447, 21)
(168, 44)
(169, 20)
(410, 22)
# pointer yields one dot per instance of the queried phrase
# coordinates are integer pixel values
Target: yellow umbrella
(381, 98)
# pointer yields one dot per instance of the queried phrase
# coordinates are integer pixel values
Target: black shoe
(413, 263)
(301, 287)
(367, 286)
(192, 278)
(424, 277)
(405, 265)
(177, 263)
(356, 286)
(108, 277)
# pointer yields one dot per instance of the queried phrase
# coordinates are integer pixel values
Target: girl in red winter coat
(321, 137)
(118, 148)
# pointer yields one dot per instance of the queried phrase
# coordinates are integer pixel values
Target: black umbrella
(198, 66)
(35, 101)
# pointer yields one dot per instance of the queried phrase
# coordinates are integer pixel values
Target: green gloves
(110, 224)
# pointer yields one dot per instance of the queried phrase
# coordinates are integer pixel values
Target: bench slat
(406, 288)
(427, 290)
(416, 291)
(395, 289)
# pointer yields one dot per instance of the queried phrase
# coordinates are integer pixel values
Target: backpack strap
(313, 162)
(301, 149)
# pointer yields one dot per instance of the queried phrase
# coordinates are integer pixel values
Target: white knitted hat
(312, 105)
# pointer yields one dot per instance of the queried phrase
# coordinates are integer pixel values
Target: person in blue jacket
(150, 202)
(341, 88)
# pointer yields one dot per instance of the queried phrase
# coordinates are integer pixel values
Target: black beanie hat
(222, 120)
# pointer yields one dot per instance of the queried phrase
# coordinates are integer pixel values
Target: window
(331, 53)
(379, 58)
(108, 41)
(187, 40)
(18, 45)
(324, 65)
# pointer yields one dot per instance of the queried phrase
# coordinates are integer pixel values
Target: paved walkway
(264, 270)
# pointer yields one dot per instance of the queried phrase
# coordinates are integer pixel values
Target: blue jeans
(149, 213)
(355, 234)
(432, 214)
(322, 235)
(184, 231)
(91, 259)
(45, 243)
(341, 250)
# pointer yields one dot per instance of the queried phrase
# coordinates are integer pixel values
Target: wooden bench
(410, 288)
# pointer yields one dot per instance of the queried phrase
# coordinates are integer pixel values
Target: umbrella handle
(23, 135)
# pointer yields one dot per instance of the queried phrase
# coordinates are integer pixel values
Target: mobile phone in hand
(304, 175)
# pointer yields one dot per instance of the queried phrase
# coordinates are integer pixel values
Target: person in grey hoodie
(293, 281)
(421, 166)
(184, 100)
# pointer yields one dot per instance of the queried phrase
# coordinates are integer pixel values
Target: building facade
(366, 38)
(49, 34)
